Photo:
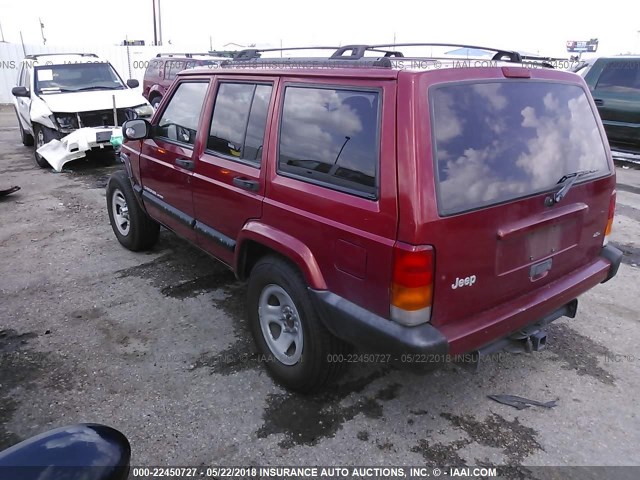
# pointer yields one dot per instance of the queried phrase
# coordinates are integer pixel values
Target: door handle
(598, 102)
(251, 185)
(184, 163)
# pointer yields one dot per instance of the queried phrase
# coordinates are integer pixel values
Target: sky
(540, 27)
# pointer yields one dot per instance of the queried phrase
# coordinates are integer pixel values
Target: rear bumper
(360, 327)
(367, 330)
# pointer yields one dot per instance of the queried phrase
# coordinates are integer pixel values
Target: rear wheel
(300, 353)
(133, 228)
(155, 101)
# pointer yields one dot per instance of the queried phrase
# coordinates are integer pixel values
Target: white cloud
(558, 135)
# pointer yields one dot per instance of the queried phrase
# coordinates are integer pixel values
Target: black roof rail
(36, 55)
(512, 55)
(253, 53)
(549, 62)
(358, 51)
(354, 55)
(315, 62)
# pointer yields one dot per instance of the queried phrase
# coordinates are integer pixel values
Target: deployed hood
(92, 100)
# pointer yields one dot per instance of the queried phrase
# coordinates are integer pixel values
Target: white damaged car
(68, 104)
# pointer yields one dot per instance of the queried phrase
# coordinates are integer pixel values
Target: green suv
(615, 85)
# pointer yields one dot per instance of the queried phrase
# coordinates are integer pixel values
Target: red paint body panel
(166, 180)
(285, 244)
(477, 331)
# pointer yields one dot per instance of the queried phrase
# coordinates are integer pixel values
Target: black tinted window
(239, 119)
(499, 141)
(257, 121)
(331, 136)
(622, 76)
(180, 119)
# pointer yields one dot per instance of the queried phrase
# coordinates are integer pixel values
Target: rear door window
(239, 121)
(330, 137)
(621, 76)
(498, 141)
(179, 121)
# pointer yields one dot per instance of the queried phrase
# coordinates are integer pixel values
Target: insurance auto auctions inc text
(374, 472)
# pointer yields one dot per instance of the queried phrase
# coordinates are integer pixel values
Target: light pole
(159, 24)
(155, 24)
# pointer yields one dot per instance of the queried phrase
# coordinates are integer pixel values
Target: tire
(306, 366)
(133, 228)
(42, 135)
(155, 101)
(27, 138)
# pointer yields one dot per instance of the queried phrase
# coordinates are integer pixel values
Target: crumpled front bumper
(76, 144)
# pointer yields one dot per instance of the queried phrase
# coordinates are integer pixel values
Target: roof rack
(500, 54)
(390, 55)
(213, 53)
(357, 52)
(36, 55)
(255, 53)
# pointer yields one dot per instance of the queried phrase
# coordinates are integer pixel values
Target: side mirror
(20, 92)
(133, 83)
(136, 129)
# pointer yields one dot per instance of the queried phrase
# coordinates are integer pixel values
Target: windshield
(497, 141)
(76, 77)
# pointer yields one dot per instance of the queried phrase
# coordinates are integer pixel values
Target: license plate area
(103, 137)
(540, 270)
(528, 249)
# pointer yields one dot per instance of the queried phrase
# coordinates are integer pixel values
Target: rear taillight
(412, 284)
(612, 211)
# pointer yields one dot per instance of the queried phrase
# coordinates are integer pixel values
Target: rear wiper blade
(567, 182)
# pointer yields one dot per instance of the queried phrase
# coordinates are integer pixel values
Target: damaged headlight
(143, 111)
(66, 121)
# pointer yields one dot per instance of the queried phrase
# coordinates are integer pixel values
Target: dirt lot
(155, 344)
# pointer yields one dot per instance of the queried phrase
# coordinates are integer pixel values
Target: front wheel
(296, 347)
(42, 136)
(134, 229)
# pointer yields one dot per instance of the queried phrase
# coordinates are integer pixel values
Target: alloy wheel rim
(120, 212)
(280, 324)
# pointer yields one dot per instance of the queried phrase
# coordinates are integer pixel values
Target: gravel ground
(155, 344)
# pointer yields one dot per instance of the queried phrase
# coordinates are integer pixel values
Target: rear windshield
(498, 141)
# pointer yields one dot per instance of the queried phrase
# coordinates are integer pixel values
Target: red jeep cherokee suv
(414, 207)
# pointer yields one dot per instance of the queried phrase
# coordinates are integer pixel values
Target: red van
(162, 70)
